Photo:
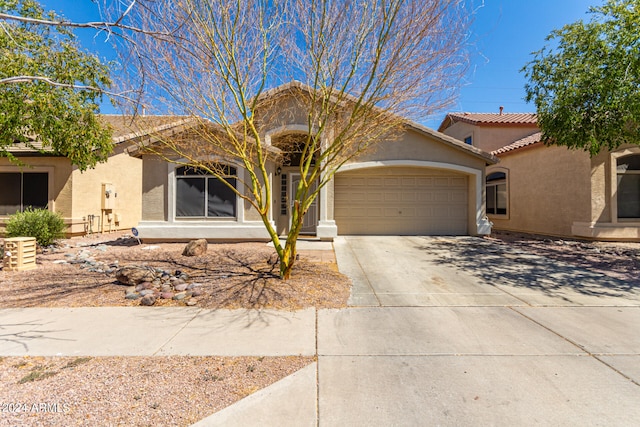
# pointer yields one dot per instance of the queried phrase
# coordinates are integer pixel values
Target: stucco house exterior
(552, 190)
(106, 198)
(422, 183)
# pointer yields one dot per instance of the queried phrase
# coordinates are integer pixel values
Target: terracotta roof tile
(524, 142)
(490, 119)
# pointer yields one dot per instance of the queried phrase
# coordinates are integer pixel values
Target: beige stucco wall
(413, 145)
(604, 223)
(60, 189)
(601, 188)
(124, 173)
(548, 189)
(489, 138)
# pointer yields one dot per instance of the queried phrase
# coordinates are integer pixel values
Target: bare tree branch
(97, 25)
(28, 79)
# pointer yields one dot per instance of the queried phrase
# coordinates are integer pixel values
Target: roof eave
(489, 158)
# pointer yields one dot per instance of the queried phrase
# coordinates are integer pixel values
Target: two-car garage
(401, 201)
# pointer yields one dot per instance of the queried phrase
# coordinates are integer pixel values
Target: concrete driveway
(463, 331)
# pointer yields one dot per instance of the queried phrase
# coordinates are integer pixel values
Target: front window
(202, 195)
(22, 190)
(628, 178)
(497, 193)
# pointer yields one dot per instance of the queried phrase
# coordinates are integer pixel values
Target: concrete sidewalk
(429, 339)
(155, 331)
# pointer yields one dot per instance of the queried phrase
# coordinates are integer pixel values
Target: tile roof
(128, 127)
(490, 119)
(124, 128)
(524, 142)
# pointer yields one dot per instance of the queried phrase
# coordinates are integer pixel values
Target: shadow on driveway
(507, 265)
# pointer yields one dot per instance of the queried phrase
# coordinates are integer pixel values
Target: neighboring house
(50, 181)
(549, 189)
(423, 183)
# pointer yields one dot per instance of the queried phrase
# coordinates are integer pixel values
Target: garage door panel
(458, 182)
(401, 202)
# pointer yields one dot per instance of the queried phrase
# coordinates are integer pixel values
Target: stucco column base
(327, 230)
(484, 226)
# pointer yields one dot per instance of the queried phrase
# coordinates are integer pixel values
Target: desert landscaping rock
(133, 275)
(164, 286)
(195, 248)
(143, 281)
(148, 300)
(180, 296)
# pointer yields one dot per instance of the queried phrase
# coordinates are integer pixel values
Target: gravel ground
(151, 391)
(620, 260)
(130, 391)
(240, 275)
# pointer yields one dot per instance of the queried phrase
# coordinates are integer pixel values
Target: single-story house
(552, 190)
(423, 183)
(105, 198)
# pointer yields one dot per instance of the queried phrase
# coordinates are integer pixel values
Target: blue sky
(504, 34)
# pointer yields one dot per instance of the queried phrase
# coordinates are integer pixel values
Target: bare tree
(351, 70)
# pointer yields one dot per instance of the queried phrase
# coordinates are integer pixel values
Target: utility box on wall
(109, 197)
(19, 254)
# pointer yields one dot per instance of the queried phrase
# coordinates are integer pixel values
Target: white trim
(171, 196)
(410, 163)
(212, 230)
(481, 222)
(292, 128)
(507, 173)
(613, 182)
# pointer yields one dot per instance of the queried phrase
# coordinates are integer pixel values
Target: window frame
(206, 177)
(496, 183)
(34, 170)
(616, 185)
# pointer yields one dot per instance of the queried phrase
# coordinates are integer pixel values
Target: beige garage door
(402, 201)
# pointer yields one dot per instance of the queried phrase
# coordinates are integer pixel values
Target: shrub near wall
(44, 225)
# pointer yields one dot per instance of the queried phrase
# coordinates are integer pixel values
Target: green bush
(44, 225)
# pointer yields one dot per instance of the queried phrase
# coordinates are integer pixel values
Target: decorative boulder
(195, 248)
(148, 300)
(133, 275)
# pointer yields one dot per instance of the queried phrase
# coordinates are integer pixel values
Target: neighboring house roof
(521, 143)
(490, 119)
(124, 128)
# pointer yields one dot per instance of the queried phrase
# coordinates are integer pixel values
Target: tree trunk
(289, 254)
